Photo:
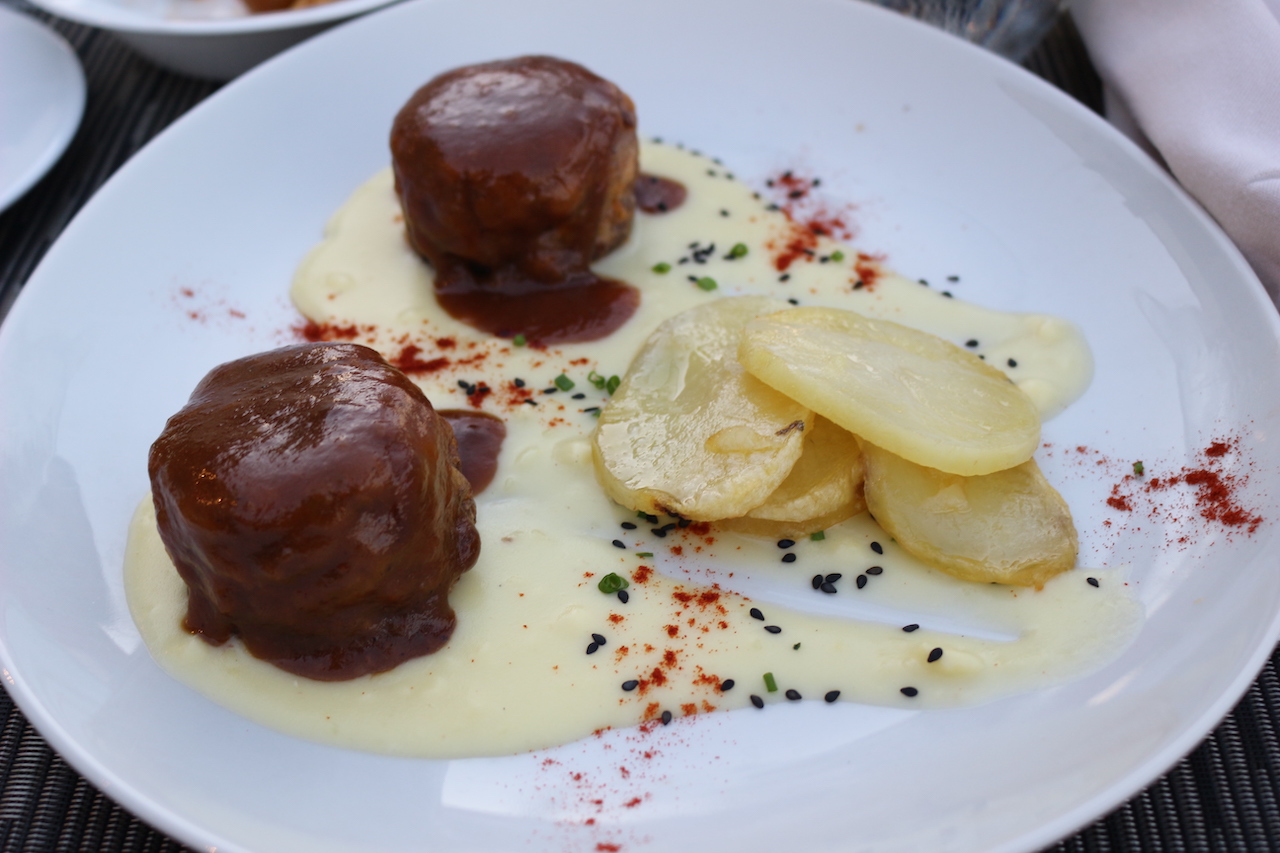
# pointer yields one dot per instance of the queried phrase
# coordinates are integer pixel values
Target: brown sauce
(311, 500)
(655, 194)
(479, 436)
(513, 177)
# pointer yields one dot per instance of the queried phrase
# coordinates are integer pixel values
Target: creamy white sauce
(515, 675)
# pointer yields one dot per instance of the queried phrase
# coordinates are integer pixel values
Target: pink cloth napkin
(1197, 82)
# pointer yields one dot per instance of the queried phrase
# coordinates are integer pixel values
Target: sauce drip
(479, 436)
(655, 194)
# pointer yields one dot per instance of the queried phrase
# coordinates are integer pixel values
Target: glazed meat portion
(513, 176)
(311, 499)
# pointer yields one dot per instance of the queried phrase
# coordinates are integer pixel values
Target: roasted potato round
(689, 432)
(1008, 527)
(907, 391)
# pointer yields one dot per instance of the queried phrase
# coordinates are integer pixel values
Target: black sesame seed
(833, 577)
(659, 532)
(971, 343)
(953, 278)
(627, 525)
(724, 213)
(828, 588)
(630, 685)
(861, 581)
(531, 402)
(816, 582)
(934, 655)
(519, 383)
(786, 543)
(910, 691)
(877, 547)
(623, 596)
(589, 409)
(593, 648)
(793, 695)
(875, 570)
(832, 695)
(756, 614)
(550, 390)
(671, 526)
(579, 396)
(618, 543)
(912, 627)
(773, 629)
(1012, 363)
(666, 718)
(599, 638)
(785, 277)
(857, 285)
(948, 294)
(757, 701)
(684, 522)
(1093, 581)
(794, 301)
(727, 684)
(788, 558)
(981, 356)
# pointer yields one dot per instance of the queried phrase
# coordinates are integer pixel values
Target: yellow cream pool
(517, 674)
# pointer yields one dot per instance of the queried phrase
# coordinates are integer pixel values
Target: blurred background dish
(210, 39)
(41, 101)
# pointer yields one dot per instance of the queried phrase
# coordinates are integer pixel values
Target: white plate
(41, 101)
(959, 163)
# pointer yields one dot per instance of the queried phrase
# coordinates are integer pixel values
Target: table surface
(1224, 796)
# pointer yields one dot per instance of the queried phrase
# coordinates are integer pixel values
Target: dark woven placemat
(1223, 797)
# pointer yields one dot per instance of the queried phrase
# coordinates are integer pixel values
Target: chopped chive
(739, 250)
(662, 268)
(612, 582)
(644, 553)
(596, 379)
(837, 256)
(519, 340)
(769, 683)
(796, 647)
(1138, 469)
(707, 283)
(612, 383)
(818, 537)
(564, 383)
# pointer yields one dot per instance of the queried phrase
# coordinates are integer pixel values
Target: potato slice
(907, 391)
(689, 432)
(824, 488)
(1009, 527)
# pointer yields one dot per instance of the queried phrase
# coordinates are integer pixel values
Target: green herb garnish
(739, 250)
(596, 379)
(644, 553)
(612, 582)
(612, 384)
(769, 683)
(1138, 469)
(837, 256)
(662, 268)
(564, 383)
(796, 647)
(706, 283)
(519, 340)
(818, 537)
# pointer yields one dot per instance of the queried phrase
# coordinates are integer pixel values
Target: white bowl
(212, 39)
